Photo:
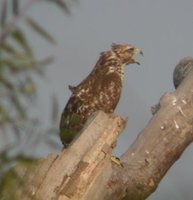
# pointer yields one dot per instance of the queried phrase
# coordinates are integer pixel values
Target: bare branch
(85, 170)
(158, 145)
(71, 173)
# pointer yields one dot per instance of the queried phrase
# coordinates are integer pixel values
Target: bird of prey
(100, 90)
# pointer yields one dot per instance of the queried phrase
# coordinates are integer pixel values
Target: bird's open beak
(136, 52)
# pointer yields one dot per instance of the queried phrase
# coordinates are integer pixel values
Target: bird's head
(126, 53)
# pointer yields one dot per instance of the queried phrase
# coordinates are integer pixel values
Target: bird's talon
(116, 160)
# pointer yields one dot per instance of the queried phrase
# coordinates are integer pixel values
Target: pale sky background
(162, 29)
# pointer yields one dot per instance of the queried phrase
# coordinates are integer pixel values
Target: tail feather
(71, 122)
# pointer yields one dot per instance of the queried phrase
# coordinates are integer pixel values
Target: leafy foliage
(18, 88)
(10, 179)
(17, 67)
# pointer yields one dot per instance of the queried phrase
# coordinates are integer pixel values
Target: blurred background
(75, 36)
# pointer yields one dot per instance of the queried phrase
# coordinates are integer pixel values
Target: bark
(85, 171)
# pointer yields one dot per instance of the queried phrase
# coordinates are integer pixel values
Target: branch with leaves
(19, 70)
(17, 63)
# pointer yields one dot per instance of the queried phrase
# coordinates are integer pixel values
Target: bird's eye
(131, 49)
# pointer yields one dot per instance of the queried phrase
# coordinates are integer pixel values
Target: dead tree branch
(85, 170)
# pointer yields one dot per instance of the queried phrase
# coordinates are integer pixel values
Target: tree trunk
(85, 171)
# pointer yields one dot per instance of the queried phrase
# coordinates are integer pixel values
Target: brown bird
(100, 90)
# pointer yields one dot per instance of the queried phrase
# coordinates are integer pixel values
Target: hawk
(100, 90)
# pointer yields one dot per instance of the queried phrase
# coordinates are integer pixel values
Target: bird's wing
(71, 120)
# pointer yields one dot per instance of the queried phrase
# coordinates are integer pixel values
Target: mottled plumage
(100, 90)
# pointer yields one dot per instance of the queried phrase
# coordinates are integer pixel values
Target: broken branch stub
(74, 173)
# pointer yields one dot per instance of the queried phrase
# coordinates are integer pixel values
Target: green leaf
(3, 14)
(20, 62)
(20, 38)
(28, 87)
(41, 31)
(6, 83)
(7, 48)
(38, 65)
(15, 7)
(9, 184)
(18, 106)
(17, 63)
(3, 114)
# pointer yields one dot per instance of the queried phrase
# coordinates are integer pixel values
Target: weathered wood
(71, 174)
(85, 171)
(157, 147)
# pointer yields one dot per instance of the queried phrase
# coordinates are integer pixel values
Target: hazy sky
(162, 29)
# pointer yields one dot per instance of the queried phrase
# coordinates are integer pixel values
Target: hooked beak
(136, 52)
